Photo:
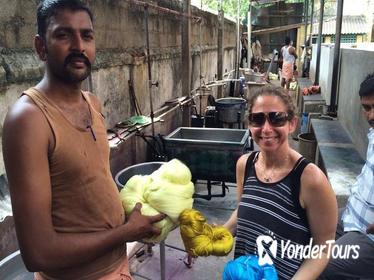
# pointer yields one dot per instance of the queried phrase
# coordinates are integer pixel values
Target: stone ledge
(21, 65)
(337, 156)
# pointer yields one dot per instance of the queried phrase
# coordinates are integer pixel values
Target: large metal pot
(12, 267)
(231, 109)
(145, 168)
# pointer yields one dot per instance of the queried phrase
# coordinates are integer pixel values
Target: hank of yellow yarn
(168, 190)
(202, 239)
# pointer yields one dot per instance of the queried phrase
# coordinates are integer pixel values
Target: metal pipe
(249, 35)
(201, 54)
(335, 69)
(162, 259)
(162, 9)
(221, 23)
(306, 22)
(319, 41)
(150, 83)
(311, 24)
(158, 119)
(237, 53)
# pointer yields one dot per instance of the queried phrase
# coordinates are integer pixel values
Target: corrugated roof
(277, 29)
(350, 25)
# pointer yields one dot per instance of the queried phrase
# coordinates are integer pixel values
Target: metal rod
(162, 9)
(162, 259)
(249, 35)
(306, 22)
(311, 24)
(335, 69)
(150, 83)
(221, 23)
(200, 58)
(319, 41)
(237, 57)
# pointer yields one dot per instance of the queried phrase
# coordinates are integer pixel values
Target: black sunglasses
(276, 119)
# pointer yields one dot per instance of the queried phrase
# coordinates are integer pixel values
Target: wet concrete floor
(217, 211)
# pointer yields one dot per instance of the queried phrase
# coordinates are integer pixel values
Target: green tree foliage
(229, 6)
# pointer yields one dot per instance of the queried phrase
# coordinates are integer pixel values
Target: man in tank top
(69, 219)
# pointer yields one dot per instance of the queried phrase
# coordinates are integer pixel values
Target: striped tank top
(272, 209)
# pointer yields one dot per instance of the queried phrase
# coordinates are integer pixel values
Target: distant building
(355, 29)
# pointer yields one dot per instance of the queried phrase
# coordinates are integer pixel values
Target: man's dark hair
(367, 86)
(287, 41)
(49, 8)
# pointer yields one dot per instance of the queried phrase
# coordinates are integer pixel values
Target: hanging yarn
(202, 239)
(247, 268)
(167, 190)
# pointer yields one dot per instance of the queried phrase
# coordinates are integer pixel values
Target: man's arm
(27, 140)
(318, 199)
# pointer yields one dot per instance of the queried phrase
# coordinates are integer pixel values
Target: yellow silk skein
(200, 238)
(168, 190)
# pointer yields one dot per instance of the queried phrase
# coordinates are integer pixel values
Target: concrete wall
(325, 74)
(356, 64)
(120, 40)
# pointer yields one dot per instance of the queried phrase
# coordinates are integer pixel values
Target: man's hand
(370, 229)
(143, 225)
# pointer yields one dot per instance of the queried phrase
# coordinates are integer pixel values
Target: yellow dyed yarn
(202, 239)
(168, 190)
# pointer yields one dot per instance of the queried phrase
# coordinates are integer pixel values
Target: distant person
(356, 226)
(305, 58)
(244, 51)
(257, 56)
(68, 215)
(280, 194)
(288, 57)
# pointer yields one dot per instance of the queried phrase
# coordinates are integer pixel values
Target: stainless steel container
(254, 77)
(231, 109)
(12, 267)
(252, 88)
(145, 168)
(210, 153)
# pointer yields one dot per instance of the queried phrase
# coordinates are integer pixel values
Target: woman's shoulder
(242, 161)
(313, 178)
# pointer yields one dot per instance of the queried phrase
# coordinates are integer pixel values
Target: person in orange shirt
(288, 56)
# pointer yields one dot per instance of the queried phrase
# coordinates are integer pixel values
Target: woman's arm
(319, 201)
(240, 170)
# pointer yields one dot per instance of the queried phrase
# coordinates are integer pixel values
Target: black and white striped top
(272, 209)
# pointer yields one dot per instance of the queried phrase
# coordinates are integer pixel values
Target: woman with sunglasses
(283, 199)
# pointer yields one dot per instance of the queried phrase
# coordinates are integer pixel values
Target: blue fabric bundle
(247, 268)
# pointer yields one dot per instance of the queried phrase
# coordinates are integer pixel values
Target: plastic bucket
(307, 146)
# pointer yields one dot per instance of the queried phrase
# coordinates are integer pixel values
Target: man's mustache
(71, 56)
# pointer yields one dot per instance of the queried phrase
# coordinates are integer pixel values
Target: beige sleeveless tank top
(85, 198)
